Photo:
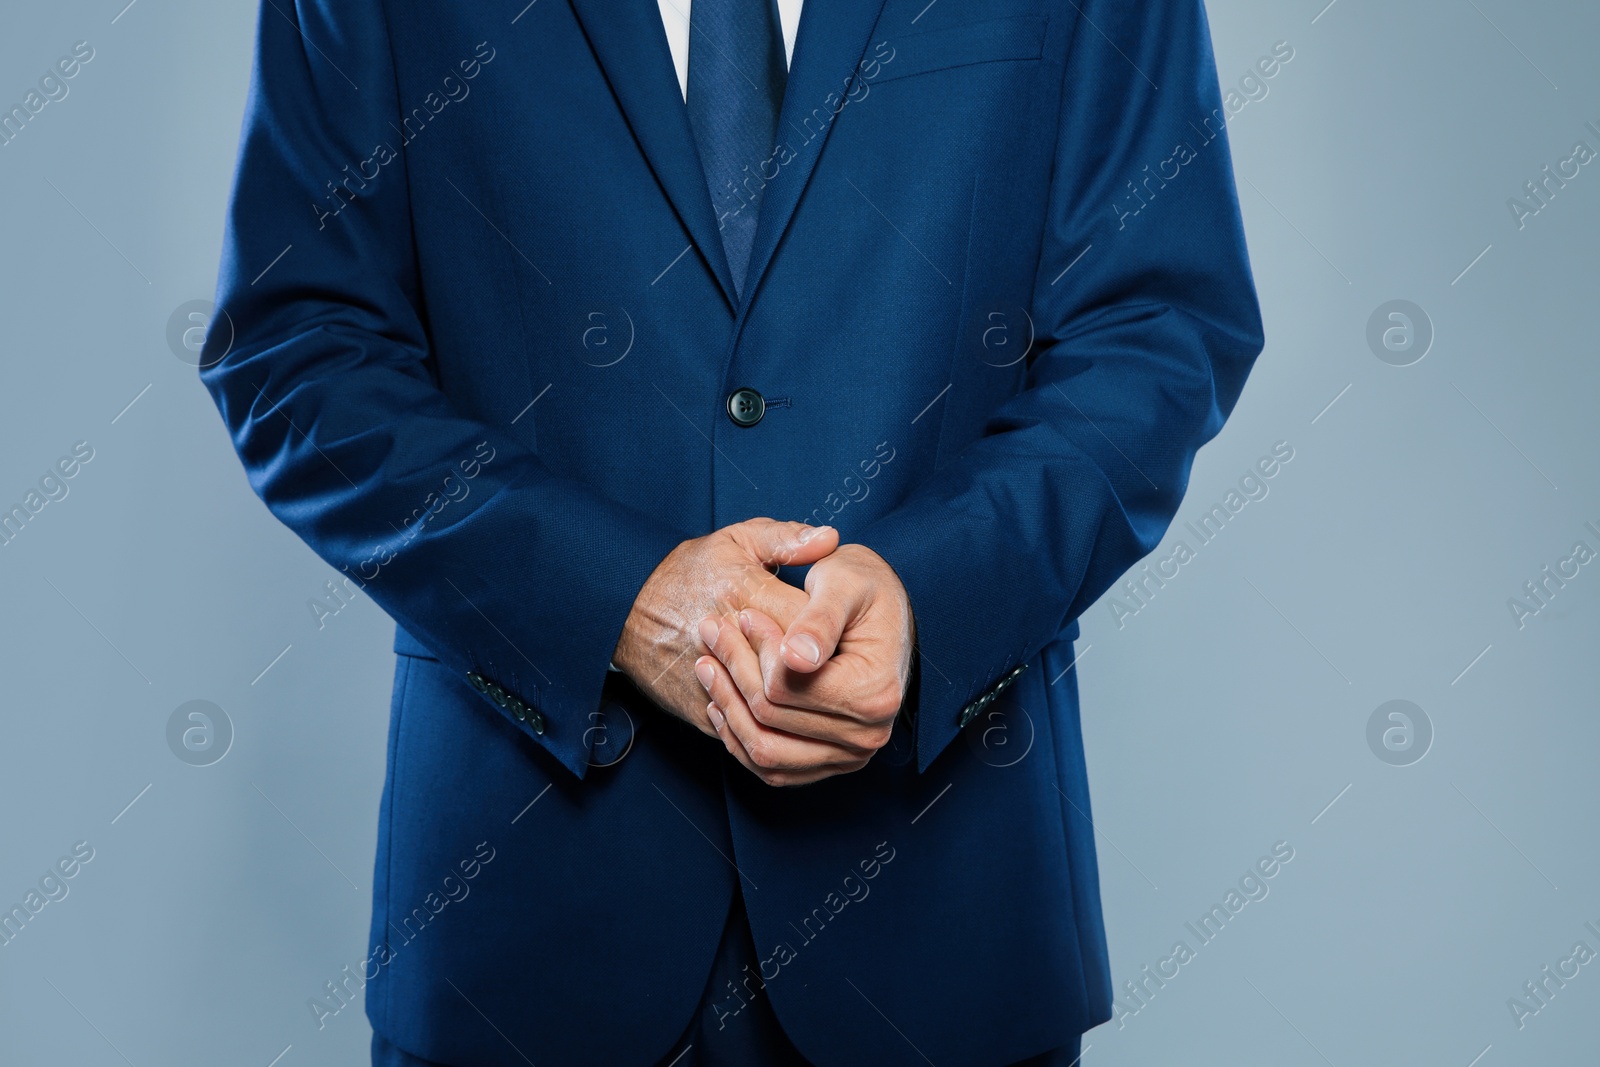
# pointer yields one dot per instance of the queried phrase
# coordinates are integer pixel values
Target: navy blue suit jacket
(482, 340)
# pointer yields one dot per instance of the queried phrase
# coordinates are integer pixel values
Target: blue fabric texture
(483, 332)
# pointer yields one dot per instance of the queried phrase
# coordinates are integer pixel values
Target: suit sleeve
(1142, 348)
(518, 579)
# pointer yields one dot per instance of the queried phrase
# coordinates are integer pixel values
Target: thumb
(814, 634)
(789, 544)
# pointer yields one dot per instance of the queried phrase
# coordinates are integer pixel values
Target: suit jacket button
(477, 681)
(536, 721)
(746, 406)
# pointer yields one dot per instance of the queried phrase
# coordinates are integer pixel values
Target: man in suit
(735, 457)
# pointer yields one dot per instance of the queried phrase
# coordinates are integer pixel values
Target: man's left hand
(822, 697)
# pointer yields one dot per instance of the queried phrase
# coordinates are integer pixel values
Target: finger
(717, 681)
(718, 684)
(733, 658)
(766, 640)
(851, 684)
(792, 544)
(736, 748)
(772, 778)
(829, 692)
(837, 597)
(719, 723)
(775, 756)
(774, 597)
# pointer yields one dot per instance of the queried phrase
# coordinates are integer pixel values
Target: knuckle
(851, 553)
(775, 689)
(761, 755)
(881, 707)
(877, 738)
(763, 712)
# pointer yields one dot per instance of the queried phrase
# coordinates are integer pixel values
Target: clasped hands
(798, 685)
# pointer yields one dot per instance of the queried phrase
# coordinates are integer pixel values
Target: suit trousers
(748, 1037)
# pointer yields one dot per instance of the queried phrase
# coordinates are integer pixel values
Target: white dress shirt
(675, 17)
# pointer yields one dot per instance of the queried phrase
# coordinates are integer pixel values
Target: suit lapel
(632, 48)
(831, 40)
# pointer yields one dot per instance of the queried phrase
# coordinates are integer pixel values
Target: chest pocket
(992, 41)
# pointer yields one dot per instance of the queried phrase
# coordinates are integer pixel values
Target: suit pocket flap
(1020, 37)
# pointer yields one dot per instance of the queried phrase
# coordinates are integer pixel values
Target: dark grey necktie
(736, 79)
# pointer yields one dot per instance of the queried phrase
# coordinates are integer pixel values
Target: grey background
(1229, 714)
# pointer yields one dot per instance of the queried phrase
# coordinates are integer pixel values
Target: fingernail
(806, 645)
(744, 623)
(706, 673)
(811, 531)
(714, 713)
(708, 632)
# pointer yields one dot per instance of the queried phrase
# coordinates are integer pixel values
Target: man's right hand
(718, 574)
